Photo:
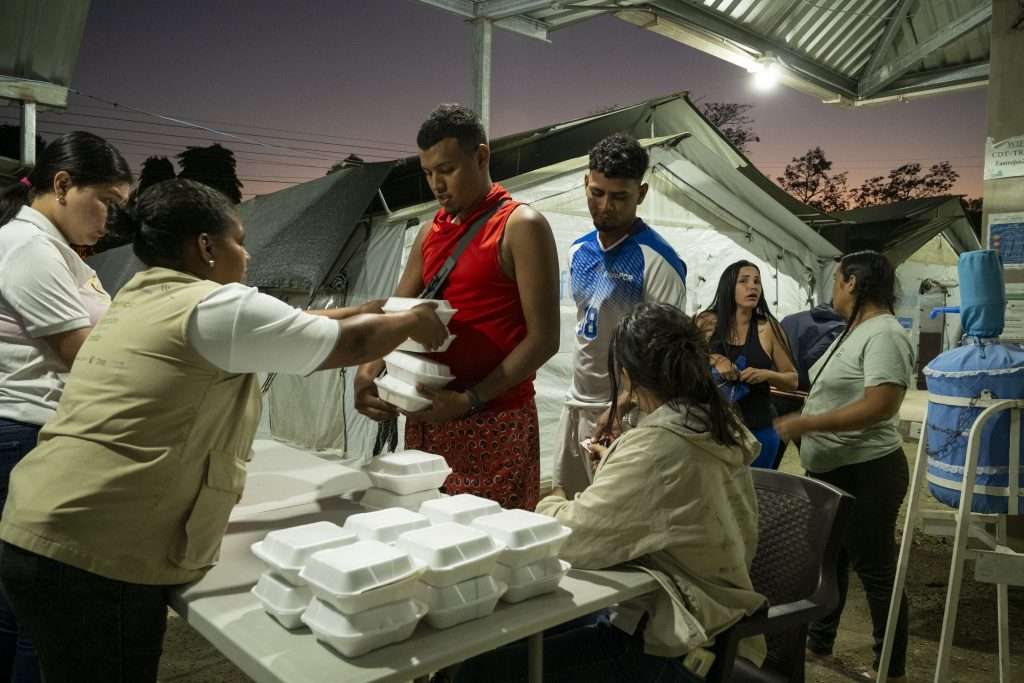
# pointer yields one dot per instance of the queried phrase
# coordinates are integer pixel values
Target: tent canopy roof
(900, 229)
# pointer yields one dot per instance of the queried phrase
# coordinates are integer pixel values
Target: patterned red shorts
(494, 454)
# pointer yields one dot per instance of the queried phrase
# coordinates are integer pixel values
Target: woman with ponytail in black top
(850, 438)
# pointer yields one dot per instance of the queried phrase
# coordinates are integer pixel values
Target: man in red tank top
(505, 288)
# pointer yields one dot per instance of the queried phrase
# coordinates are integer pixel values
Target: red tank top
(489, 323)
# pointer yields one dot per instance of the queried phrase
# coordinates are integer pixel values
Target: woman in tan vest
(128, 493)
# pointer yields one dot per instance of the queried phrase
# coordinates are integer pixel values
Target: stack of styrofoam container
(405, 479)
(365, 596)
(406, 370)
(528, 562)
(385, 526)
(281, 590)
(444, 311)
(458, 584)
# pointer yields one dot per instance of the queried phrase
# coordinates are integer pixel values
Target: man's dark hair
(619, 156)
(452, 121)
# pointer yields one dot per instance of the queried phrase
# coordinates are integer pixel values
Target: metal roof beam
(499, 9)
(932, 83)
(874, 81)
(24, 90)
(893, 28)
(796, 63)
(531, 28)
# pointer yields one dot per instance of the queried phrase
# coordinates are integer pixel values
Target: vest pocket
(204, 529)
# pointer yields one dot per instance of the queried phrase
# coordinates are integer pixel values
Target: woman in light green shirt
(850, 438)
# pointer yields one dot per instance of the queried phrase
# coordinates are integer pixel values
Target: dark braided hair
(664, 352)
(166, 216)
(875, 284)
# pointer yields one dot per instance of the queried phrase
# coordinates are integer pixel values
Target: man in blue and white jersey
(620, 264)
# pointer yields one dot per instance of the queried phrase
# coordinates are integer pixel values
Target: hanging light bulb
(766, 72)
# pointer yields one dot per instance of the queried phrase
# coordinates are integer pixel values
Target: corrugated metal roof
(851, 51)
(39, 41)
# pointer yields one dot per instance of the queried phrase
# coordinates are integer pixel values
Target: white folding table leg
(918, 480)
(535, 647)
(963, 529)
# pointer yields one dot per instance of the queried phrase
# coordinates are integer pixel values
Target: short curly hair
(452, 121)
(619, 156)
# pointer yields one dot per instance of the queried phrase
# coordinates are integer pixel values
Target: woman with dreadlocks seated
(674, 497)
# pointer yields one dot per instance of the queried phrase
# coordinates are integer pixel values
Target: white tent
(706, 209)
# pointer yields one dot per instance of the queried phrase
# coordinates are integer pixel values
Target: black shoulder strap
(440, 279)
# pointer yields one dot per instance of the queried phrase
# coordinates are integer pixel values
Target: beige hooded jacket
(677, 504)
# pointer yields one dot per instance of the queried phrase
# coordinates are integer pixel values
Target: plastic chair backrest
(801, 522)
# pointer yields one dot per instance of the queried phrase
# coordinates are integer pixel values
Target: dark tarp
(900, 229)
(294, 235)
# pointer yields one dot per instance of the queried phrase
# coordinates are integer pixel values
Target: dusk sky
(358, 76)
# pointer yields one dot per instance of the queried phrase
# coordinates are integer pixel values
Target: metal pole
(28, 134)
(483, 30)
(535, 647)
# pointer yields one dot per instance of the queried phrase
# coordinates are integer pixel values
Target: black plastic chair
(800, 530)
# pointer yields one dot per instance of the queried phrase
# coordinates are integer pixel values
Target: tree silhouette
(154, 170)
(809, 178)
(10, 142)
(906, 182)
(213, 166)
(732, 121)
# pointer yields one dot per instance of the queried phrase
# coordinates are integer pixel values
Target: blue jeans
(87, 628)
(18, 662)
(769, 439)
(589, 650)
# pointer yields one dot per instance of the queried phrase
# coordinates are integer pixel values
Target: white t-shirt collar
(36, 218)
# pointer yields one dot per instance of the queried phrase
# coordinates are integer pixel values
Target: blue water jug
(982, 293)
(980, 368)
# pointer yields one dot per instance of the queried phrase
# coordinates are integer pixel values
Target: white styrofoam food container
(461, 509)
(359, 567)
(400, 394)
(354, 603)
(444, 310)
(531, 580)
(286, 550)
(415, 347)
(282, 600)
(356, 634)
(378, 499)
(415, 370)
(452, 552)
(385, 526)
(527, 536)
(466, 600)
(408, 472)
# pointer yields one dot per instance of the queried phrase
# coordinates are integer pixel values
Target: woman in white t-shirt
(130, 489)
(851, 439)
(49, 301)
